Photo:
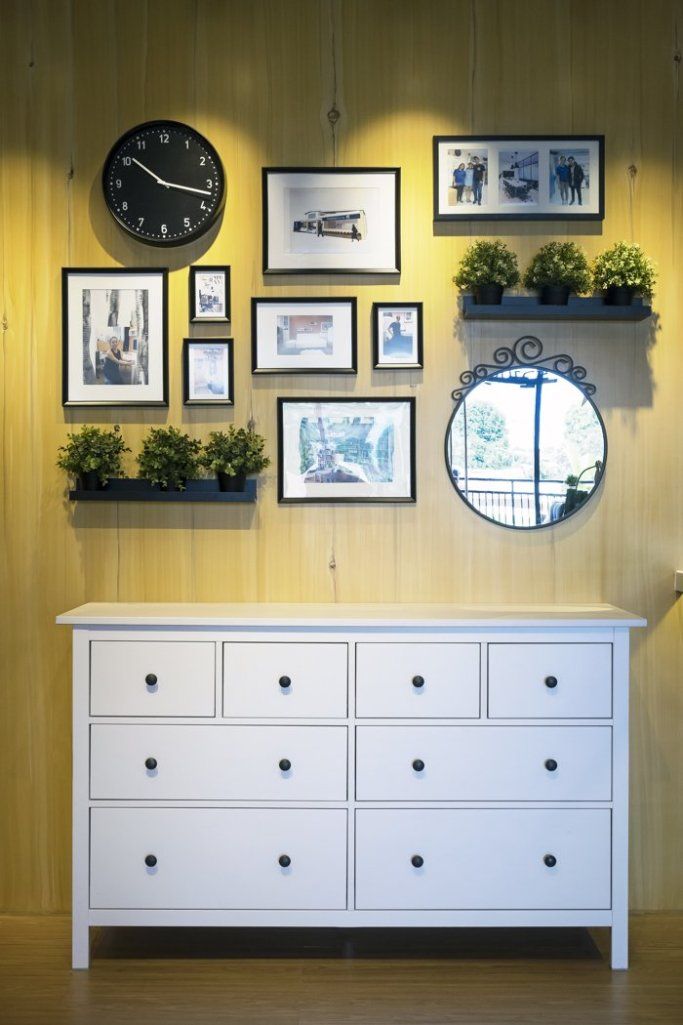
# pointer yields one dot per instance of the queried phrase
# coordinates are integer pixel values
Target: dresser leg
(80, 945)
(619, 957)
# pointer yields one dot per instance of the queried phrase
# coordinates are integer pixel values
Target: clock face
(164, 183)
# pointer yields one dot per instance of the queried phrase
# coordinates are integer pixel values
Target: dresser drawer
(550, 681)
(484, 763)
(155, 678)
(213, 763)
(417, 681)
(285, 680)
(483, 859)
(218, 858)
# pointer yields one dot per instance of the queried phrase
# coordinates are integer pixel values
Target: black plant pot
(554, 295)
(90, 481)
(171, 486)
(619, 295)
(228, 482)
(488, 295)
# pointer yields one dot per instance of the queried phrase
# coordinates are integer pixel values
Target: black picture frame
(409, 498)
(377, 364)
(190, 343)
(349, 301)
(395, 172)
(68, 400)
(560, 213)
(196, 268)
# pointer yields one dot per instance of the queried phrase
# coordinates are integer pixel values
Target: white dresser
(350, 765)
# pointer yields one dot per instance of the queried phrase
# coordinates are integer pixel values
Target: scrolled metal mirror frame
(526, 352)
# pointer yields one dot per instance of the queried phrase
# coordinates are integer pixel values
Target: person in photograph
(478, 175)
(469, 181)
(113, 358)
(576, 177)
(395, 341)
(459, 182)
(562, 175)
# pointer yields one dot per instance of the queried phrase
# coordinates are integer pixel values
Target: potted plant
(487, 268)
(621, 271)
(169, 458)
(93, 455)
(557, 269)
(233, 454)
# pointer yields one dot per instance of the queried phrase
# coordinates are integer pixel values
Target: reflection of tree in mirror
(584, 436)
(488, 444)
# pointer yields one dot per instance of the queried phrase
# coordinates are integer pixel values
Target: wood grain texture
(259, 78)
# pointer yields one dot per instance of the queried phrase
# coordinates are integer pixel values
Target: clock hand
(155, 176)
(186, 188)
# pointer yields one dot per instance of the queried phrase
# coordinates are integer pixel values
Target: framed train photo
(331, 220)
(519, 177)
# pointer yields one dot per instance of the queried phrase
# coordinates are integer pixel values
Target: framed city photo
(519, 177)
(346, 450)
(209, 295)
(303, 336)
(331, 220)
(207, 372)
(114, 337)
(397, 336)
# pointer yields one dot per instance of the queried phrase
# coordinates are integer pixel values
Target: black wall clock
(164, 183)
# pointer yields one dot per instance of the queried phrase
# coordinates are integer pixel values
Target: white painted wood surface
(318, 673)
(415, 681)
(518, 675)
(184, 673)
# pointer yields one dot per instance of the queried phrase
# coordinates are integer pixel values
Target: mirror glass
(525, 447)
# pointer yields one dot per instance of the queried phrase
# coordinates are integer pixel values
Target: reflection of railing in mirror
(511, 500)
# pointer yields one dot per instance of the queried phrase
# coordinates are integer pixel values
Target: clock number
(163, 137)
(118, 183)
(141, 144)
(164, 229)
(124, 205)
(186, 222)
(202, 161)
(126, 161)
(141, 221)
(209, 183)
(187, 143)
(202, 205)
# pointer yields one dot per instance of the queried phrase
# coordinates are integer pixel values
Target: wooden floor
(323, 977)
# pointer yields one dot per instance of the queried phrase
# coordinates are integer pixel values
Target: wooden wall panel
(259, 78)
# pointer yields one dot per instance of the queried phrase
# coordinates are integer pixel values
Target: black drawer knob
(150, 763)
(418, 765)
(551, 681)
(285, 764)
(417, 861)
(285, 682)
(550, 860)
(550, 764)
(418, 681)
(151, 679)
(150, 860)
(284, 861)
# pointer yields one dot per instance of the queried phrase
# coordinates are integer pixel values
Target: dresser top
(357, 615)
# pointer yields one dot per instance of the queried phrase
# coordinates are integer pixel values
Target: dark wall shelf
(527, 307)
(129, 489)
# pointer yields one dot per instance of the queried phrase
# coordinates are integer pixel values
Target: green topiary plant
(169, 457)
(487, 263)
(559, 265)
(233, 454)
(624, 265)
(93, 454)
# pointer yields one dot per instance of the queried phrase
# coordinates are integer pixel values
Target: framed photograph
(209, 295)
(331, 220)
(346, 450)
(207, 372)
(519, 177)
(397, 336)
(303, 336)
(114, 337)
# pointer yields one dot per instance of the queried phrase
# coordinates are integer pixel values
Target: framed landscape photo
(209, 295)
(397, 336)
(303, 336)
(331, 220)
(346, 450)
(114, 337)
(207, 372)
(519, 177)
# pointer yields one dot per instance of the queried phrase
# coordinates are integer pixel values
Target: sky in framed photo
(333, 450)
(209, 295)
(397, 335)
(520, 177)
(115, 338)
(297, 336)
(208, 372)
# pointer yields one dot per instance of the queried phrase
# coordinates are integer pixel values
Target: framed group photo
(209, 295)
(324, 220)
(303, 336)
(397, 336)
(208, 372)
(519, 177)
(346, 450)
(114, 337)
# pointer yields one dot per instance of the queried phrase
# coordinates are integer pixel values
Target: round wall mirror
(526, 446)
